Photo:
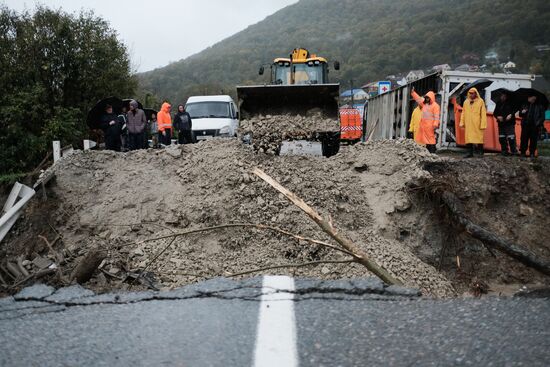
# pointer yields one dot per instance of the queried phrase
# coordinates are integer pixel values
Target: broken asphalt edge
(41, 298)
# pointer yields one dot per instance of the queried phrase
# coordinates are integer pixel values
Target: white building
(414, 75)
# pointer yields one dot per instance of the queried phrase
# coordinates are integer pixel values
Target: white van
(213, 116)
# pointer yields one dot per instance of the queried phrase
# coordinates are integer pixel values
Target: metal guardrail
(19, 196)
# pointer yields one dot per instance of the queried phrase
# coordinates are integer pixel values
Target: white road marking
(276, 336)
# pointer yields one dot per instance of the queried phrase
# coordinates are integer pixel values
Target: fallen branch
(251, 225)
(39, 274)
(40, 165)
(360, 256)
(455, 209)
(159, 254)
(58, 257)
(490, 239)
(311, 263)
(258, 226)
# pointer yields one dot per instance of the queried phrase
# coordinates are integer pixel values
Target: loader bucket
(288, 99)
(295, 100)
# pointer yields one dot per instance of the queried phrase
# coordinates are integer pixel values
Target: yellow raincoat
(415, 123)
(474, 119)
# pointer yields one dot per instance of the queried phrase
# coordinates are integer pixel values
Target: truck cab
(213, 116)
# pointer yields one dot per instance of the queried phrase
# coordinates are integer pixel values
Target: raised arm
(417, 98)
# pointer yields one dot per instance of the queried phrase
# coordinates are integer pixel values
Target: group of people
(130, 130)
(426, 117)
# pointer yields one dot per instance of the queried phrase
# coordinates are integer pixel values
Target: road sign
(384, 87)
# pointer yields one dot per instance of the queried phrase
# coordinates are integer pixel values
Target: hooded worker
(164, 123)
(429, 120)
(474, 121)
(415, 123)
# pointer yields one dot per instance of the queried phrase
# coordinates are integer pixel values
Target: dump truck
(298, 87)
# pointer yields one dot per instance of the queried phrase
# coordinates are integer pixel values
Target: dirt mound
(508, 196)
(117, 201)
(267, 132)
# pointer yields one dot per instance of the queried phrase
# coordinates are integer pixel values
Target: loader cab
(301, 68)
(310, 71)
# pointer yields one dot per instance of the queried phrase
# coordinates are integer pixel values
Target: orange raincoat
(164, 119)
(429, 120)
(474, 119)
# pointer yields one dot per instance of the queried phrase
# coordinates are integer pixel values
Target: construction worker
(415, 123)
(474, 122)
(164, 122)
(429, 120)
(505, 114)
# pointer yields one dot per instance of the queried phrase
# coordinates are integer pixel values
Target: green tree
(55, 67)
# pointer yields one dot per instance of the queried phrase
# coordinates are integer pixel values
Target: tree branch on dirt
(173, 236)
(359, 255)
(311, 263)
(39, 274)
(244, 225)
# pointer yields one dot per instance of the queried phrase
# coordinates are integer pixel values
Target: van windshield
(202, 110)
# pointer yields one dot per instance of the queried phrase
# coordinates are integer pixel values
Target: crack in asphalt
(335, 294)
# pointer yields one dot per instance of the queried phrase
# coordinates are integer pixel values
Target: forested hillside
(371, 39)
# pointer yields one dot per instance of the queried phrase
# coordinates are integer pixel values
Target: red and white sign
(384, 87)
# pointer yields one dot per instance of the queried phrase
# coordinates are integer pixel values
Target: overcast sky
(158, 32)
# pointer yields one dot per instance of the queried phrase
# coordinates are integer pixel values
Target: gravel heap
(119, 200)
(267, 132)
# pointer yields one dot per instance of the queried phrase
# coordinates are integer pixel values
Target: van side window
(233, 114)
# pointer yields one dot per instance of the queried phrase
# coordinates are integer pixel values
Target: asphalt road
(254, 322)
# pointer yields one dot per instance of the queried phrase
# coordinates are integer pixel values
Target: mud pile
(117, 201)
(267, 132)
(132, 204)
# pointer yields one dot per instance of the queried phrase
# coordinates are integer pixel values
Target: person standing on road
(474, 121)
(164, 123)
(112, 128)
(532, 115)
(415, 123)
(429, 120)
(136, 126)
(505, 114)
(183, 123)
(123, 118)
(154, 129)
